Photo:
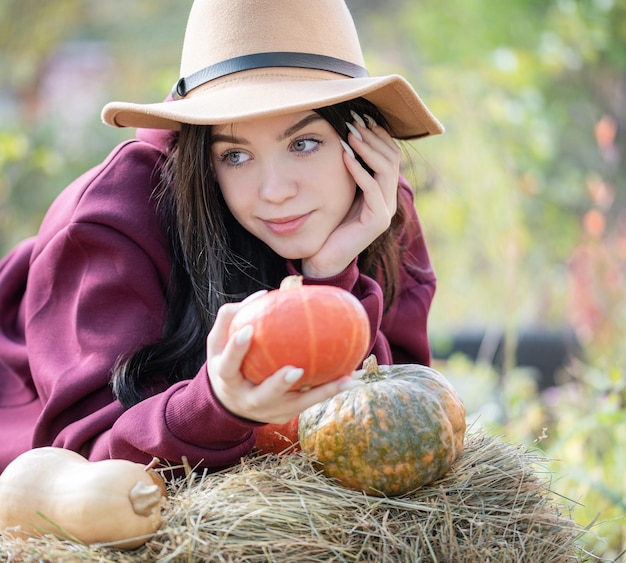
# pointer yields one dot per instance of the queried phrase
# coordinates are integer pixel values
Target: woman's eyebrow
(231, 139)
(299, 125)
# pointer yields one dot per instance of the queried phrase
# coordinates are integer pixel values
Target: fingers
(284, 379)
(382, 154)
(294, 402)
(375, 145)
(253, 296)
(323, 392)
(218, 337)
(225, 354)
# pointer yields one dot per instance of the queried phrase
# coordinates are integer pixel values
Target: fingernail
(358, 373)
(244, 335)
(348, 149)
(354, 131)
(350, 384)
(254, 295)
(293, 375)
(370, 120)
(357, 118)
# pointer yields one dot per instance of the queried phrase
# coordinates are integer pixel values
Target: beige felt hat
(252, 58)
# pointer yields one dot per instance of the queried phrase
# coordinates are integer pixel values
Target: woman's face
(284, 179)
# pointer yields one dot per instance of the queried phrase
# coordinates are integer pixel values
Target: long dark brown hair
(216, 261)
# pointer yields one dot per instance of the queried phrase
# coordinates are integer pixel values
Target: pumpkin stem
(291, 282)
(370, 365)
(143, 498)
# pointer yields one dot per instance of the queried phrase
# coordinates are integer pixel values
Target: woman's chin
(291, 253)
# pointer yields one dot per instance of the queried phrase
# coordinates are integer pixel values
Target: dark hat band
(263, 60)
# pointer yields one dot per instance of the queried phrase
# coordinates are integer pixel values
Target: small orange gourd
(320, 328)
(57, 491)
(277, 438)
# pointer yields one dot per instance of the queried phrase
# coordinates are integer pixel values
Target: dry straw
(495, 505)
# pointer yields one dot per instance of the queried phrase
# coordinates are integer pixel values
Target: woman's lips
(286, 225)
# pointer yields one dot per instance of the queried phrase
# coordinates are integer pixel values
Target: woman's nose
(277, 183)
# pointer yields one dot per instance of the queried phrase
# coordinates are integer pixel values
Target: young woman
(274, 155)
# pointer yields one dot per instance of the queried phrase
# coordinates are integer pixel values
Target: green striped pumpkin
(400, 430)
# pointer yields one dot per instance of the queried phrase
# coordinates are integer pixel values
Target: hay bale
(492, 506)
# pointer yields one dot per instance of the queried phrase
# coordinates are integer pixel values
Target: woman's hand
(373, 208)
(270, 401)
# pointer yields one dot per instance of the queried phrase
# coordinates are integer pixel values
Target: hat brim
(267, 95)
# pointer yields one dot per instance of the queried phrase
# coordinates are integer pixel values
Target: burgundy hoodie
(91, 286)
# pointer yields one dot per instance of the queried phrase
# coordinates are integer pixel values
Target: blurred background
(523, 200)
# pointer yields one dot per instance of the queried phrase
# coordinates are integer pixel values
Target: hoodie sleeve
(96, 290)
(398, 335)
(405, 324)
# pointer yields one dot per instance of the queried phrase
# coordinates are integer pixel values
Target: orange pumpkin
(320, 328)
(276, 438)
(402, 429)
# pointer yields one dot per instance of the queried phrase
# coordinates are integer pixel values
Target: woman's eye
(235, 158)
(305, 145)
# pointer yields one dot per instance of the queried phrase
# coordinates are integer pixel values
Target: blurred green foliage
(524, 89)
(523, 200)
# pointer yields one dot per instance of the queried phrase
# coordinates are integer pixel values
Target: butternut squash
(54, 490)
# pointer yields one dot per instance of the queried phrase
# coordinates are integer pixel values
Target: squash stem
(155, 461)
